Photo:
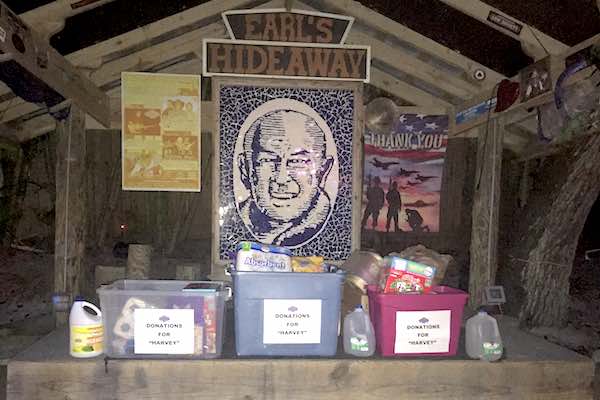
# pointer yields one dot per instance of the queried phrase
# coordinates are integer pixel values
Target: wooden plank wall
(151, 217)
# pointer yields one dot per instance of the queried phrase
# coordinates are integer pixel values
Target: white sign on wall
(292, 321)
(422, 331)
(163, 331)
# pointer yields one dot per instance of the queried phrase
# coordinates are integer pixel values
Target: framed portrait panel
(287, 166)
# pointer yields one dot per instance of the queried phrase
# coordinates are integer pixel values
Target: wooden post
(12, 181)
(70, 207)
(486, 203)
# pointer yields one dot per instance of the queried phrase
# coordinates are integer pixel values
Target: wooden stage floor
(532, 369)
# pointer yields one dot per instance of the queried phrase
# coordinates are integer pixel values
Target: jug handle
(93, 307)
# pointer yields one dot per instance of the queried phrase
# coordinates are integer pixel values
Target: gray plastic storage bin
(277, 313)
(157, 319)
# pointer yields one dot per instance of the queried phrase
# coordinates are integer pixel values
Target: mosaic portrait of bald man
(286, 174)
(286, 168)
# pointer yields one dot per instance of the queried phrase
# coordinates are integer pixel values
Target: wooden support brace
(486, 205)
(556, 66)
(50, 18)
(33, 53)
(70, 207)
(535, 43)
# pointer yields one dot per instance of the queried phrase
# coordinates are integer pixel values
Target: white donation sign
(422, 331)
(163, 331)
(292, 321)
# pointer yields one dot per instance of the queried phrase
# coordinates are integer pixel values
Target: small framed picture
(495, 295)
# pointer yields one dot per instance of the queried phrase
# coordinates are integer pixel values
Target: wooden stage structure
(533, 369)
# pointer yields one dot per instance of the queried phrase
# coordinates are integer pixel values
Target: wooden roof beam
(414, 67)
(139, 49)
(403, 90)
(33, 53)
(27, 128)
(50, 18)
(556, 61)
(24, 130)
(408, 64)
(427, 46)
(108, 71)
(8, 135)
(530, 44)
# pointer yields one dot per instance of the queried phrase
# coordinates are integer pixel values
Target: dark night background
(569, 21)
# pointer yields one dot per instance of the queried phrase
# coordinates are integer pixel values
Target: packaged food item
(253, 256)
(197, 304)
(210, 325)
(307, 264)
(406, 276)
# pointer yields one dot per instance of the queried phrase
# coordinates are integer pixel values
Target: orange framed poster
(160, 136)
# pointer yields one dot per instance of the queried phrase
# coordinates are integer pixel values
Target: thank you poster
(403, 174)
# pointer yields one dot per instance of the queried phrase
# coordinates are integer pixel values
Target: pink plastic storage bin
(434, 314)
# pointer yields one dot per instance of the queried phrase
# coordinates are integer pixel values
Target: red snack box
(406, 276)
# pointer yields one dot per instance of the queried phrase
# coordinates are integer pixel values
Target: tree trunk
(549, 263)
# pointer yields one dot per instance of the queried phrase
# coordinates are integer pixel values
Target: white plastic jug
(483, 339)
(86, 332)
(359, 335)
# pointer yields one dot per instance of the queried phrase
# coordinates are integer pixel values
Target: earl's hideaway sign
(283, 44)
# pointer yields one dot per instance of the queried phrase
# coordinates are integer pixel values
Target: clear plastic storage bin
(159, 319)
(287, 313)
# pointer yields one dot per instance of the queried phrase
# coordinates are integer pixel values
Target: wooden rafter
(50, 18)
(406, 64)
(43, 123)
(140, 50)
(430, 48)
(557, 61)
(454, 87)
(403, 90)
(534, 42)
(33, 53)
(445, 85)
